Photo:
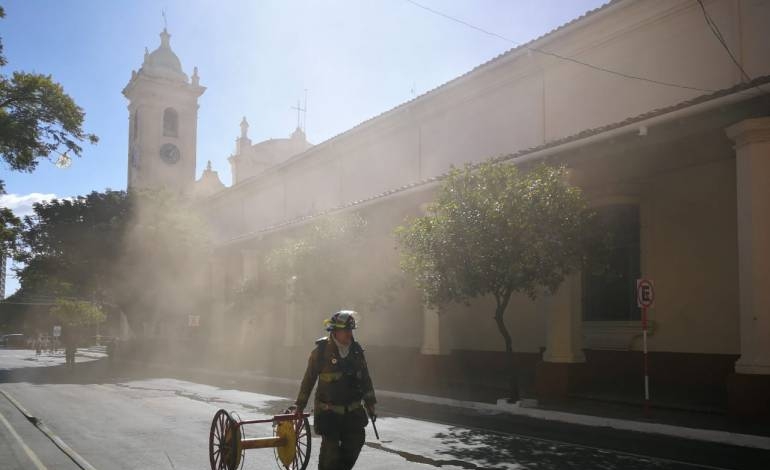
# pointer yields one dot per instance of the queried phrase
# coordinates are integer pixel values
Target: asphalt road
(115, 419)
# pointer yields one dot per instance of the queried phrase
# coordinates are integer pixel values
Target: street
(116, 421)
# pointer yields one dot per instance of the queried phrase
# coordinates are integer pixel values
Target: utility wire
(718, 34)
(560, 57)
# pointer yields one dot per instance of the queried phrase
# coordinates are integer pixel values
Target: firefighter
(338, 365)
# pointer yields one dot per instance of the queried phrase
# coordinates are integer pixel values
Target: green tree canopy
(495, 230)
(9, 230)
(135, 252)
(77, 313)
(37, 120)
(69, 246)
(317, 263)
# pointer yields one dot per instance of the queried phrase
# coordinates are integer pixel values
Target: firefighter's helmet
(342, 320)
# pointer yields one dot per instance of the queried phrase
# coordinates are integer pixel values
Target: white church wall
(493, 122)
(263, 206)
(310, 190)
(672, 43)
(755, 45)
(693, 259)
(519, 101)
(513, 104)
(387, 156)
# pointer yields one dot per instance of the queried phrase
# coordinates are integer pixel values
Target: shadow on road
(98, 371)
(500, 451)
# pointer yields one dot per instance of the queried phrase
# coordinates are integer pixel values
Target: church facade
(668, 138)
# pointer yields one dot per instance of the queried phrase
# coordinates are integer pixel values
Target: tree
(10, 225)
(134, 253)
(319, 262)
(77, 313)
(69, 247)
(495, 230)
(37, 120)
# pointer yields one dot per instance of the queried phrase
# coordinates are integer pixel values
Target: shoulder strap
(321, 347)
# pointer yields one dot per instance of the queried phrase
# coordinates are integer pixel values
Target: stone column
(432, 344)
(218, 267)
(749, 387)
(564, 323)
(250, 273)
(563, 358)
(250, 265)
(290, 333)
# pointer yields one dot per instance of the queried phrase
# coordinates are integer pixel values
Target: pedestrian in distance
(338, 365)
(69, 339)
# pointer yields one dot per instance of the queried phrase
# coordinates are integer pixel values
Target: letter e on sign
(645, 293)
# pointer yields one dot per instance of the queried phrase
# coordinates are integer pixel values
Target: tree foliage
(69, 246)
(133, 252)
(316, 265)
(37, 120)
(75, 313)
(10, 225)
(495, 230)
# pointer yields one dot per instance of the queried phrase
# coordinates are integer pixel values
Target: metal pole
(646, 370)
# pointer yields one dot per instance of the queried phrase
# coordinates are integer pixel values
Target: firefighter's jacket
(342, 383)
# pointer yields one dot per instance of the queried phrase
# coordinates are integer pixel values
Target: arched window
(170, 122)
(609, 283)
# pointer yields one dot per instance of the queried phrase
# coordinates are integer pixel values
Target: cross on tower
(301, 109)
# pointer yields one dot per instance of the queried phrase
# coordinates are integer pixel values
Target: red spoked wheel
(224, 442)
(302, 443)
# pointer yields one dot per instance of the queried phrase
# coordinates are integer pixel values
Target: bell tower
(163, 122)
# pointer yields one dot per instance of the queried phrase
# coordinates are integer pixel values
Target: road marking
(32, 456)
(58, 442)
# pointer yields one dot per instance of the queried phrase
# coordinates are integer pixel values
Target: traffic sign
(56, 331)
(645, 298)
(645, 293)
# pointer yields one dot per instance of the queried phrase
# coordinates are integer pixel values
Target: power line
(558, 56)
(718, 34)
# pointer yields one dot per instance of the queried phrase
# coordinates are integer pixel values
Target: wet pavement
(120, 420)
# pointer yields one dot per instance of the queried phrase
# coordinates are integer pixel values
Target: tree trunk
(513, 382)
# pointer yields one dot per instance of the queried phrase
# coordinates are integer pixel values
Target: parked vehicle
(13, 340)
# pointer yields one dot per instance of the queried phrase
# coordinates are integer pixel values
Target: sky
(355, 58)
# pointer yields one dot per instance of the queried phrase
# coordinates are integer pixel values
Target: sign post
(645, 298)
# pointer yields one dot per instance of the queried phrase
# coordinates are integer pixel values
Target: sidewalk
(702, 427)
